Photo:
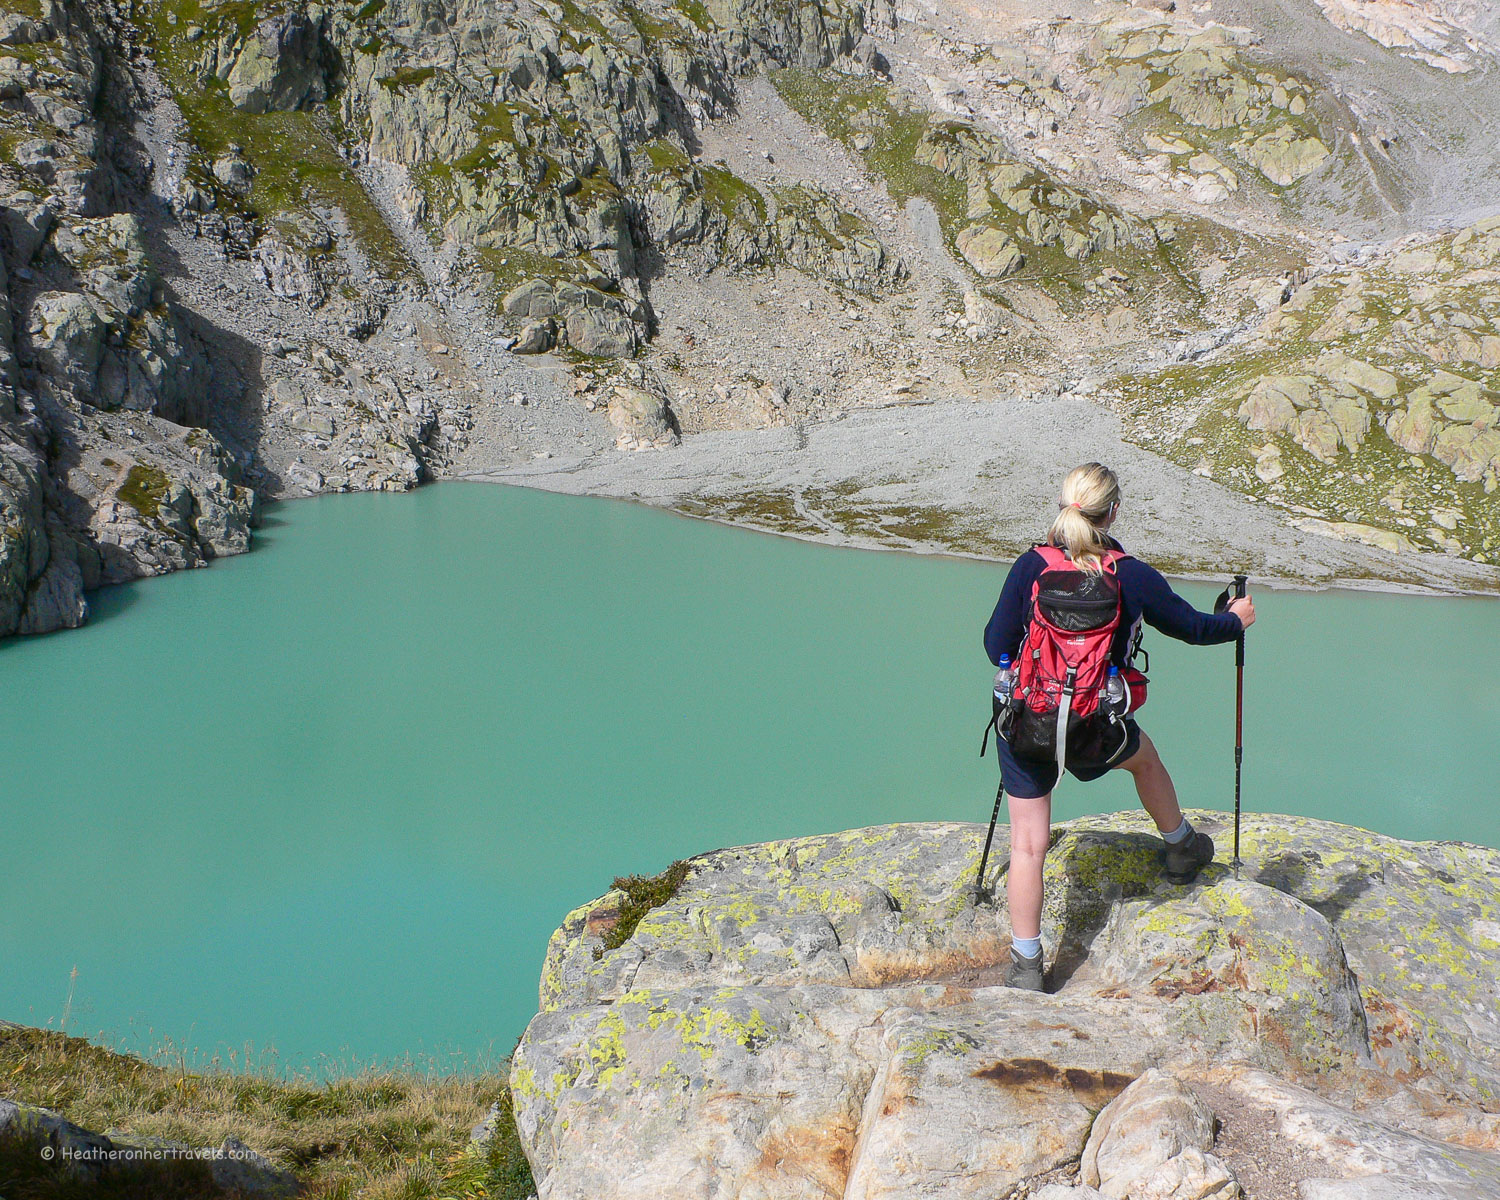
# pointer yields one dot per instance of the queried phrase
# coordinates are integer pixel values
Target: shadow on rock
(1304, 876)
(1085, 874)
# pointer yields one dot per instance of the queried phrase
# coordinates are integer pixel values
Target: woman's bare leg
(1030, 831)
(1154, 786)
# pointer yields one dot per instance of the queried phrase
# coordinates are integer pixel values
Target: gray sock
(1180, 834)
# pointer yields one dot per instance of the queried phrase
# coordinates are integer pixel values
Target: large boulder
(280, 67)
(823, 1016)
(603, 332)
(992, 252)
(642, 418)
(1153, 1142)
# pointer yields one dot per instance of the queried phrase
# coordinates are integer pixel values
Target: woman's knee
(1145, 760)
(1030, 826)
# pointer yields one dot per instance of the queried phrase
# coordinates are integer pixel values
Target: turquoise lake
(328, 800)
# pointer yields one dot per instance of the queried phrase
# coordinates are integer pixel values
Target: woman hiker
(1085, 566)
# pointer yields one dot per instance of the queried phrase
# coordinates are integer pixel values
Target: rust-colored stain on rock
(1088, 1083)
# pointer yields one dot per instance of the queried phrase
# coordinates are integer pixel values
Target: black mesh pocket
(1078, 600)
(1094, 740)
(1033, 735)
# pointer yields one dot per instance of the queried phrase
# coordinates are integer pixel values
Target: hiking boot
(1184, 859)
(1023, 972)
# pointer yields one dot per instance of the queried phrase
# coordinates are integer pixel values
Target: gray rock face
(823, 1016)
(605, 178)
(280, 67)
(105, 471)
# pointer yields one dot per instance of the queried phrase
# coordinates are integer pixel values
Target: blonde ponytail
(1090, 495)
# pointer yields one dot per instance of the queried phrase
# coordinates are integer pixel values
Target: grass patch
(406, 79)
(664, 155)
(511, 266)
(654, 32)
(724, 190)
(642, 894)
(144, 489)
(697, 13)
(845, 107)
(380, 1134)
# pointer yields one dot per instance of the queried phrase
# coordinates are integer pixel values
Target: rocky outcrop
(1453, 36)
(1384, 372)
(1197, 94)
(279, 66)
(823, 1017)
(109, 471)
(604, 180)
(87, 1159)
(1021, 208)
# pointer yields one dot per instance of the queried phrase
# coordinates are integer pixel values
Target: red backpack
(1061, 711)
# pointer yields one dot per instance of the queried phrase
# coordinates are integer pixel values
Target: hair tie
(1064, 505)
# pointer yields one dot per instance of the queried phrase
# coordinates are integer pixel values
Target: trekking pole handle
(1238, 590)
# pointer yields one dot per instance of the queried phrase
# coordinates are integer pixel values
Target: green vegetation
(1385, 325)
(655, 33)
(642, 894)
(664, 155)
(726, 191)
(295, 154)
(695, 12)
(387, 1135)
(144, 489)
(849, 109)
(406, 79)
(900, 526)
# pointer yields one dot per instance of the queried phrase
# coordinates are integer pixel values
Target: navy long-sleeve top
(1144, 593)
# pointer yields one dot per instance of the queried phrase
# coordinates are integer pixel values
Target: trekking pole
(1237, 590)
(979, 892)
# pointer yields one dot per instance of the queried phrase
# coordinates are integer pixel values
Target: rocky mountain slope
(823, 1017)
(273, 249)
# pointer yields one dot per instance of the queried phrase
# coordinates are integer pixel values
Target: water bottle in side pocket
(1005, 683)
(1116, 694)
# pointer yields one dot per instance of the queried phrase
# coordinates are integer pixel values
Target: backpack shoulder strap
(1052, 557)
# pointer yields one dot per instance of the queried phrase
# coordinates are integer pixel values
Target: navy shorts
(1028, 778)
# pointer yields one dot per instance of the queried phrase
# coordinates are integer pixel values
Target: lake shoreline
(976, 478)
